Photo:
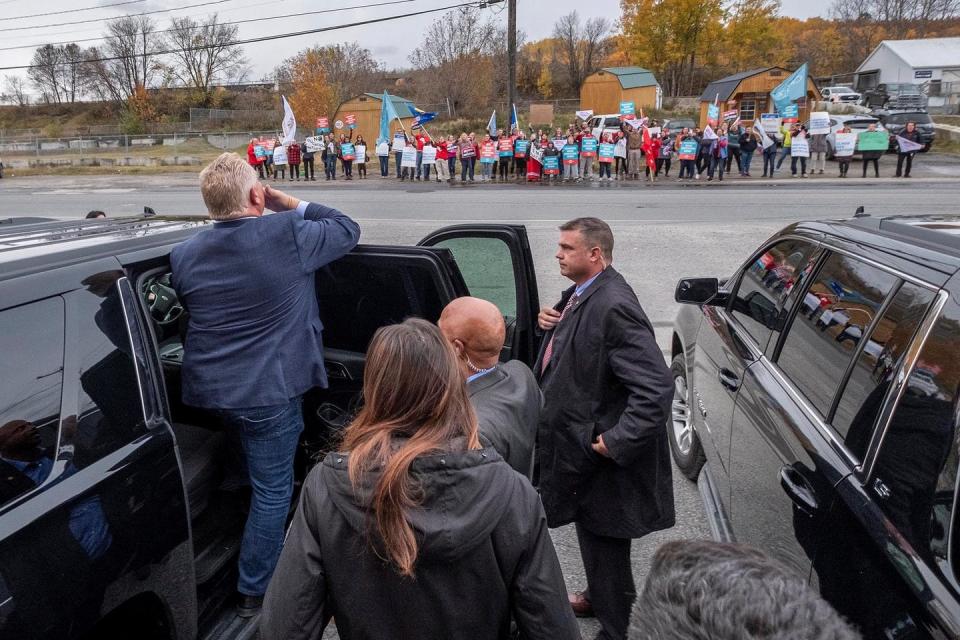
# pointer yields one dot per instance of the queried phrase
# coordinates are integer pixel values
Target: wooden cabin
(366, 107)
(749, 93)
(604, 90)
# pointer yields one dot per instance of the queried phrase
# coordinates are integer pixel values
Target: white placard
(536, 153)
(383, 149)
(819, 122)
(800, 148)
(558, 143)
(313, 144)
(409, 158)
(845, 144)
(770, 122)
(398, 145)
(280, 155)
(429, 155)
(360, 153)
(654, 131)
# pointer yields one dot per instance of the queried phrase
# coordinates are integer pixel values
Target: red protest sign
(323, 123)
(351, 120)
(488, 150)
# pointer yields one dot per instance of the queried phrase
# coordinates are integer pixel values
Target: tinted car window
(359, 294)
(612, 122)
(880, 356)
(764, 285)
(918, 457)
(31, 340)
(904, 118)
(839, 305)
(109, 410)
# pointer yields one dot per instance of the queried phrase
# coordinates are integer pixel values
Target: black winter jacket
(484, 555)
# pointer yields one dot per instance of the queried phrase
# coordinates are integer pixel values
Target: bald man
(505, 395)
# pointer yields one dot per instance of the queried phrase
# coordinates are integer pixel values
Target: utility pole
(511, 56)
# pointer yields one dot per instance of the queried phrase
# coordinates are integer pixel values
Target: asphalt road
(663, 232)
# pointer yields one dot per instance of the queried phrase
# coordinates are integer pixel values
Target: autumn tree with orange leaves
(312, 94)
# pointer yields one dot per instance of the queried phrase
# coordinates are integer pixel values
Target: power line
(278, 36)
(129, 15)
(245, 21)
(57, 13)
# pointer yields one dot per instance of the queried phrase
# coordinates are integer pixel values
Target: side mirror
(700, 291)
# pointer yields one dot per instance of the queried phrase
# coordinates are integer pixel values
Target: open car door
(495, 262)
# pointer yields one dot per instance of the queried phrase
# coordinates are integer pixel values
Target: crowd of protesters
(576, 154)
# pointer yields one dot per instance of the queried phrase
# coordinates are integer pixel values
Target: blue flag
(514, 124)
(492, 124)
(791, 89)
(388, 114)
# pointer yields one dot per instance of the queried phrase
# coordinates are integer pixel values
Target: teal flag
(791, 89)
(387, 115)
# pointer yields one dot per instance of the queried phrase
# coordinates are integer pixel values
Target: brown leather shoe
(580, 605)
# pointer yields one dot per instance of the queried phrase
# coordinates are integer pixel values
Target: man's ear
(459, 347)
(257, 196)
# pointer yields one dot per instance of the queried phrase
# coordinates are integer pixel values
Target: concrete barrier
(172, 142)
(143, 142)
(53, 146)
(229, 140)
(947, 131)
(83, 144)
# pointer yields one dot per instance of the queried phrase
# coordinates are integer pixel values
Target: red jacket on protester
(252, 155)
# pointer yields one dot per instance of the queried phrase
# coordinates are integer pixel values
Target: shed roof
(633, 77)
(726, 86)
(926, 52)
(400, 104)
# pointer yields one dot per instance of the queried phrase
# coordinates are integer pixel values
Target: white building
(933, 63)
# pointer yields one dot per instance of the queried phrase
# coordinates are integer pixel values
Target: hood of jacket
(464, 496)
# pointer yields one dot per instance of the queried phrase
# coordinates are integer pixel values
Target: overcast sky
(390, 42)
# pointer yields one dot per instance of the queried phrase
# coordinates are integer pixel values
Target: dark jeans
(604, 169)
(901, 157)
(467, 166)
(504, 167)
(330, 167)
(844, 166)
(769, 158)
(452, 165)
(347, 167)
(259, 168)
(663, 164)
(876, 167)
(734, 153)
(426, 171)
(703, 162)
(688, 167)
(716, 164)
(384, 165)
(362, 169)
(610, 586)
(295, 171)
(793, 165)
(399, 156)
(268, 437)
(419, 163)
(746, 157)
(308, 169)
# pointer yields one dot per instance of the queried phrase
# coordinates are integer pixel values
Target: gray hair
(225, 185)
(702, 590)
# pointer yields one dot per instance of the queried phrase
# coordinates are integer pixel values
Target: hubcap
(682, 429)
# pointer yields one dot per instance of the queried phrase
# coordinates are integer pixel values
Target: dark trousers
(347, 167)
(876, 167)
(308, 169)
(703, 162)
(610, 586)
(687, 168)
(844, 166)
(901, 157)
(452, 166)
(604, 169)
(362, 169)
(619, 165)
(769, 159)
(466, 167)
(330, 167)
(803, 165)
(399, 157)
(258, 167)
(664, 165)
(746, 157)
(295, 171)
(384, 165)
(733, 153)
(504, 167)
(716, 164)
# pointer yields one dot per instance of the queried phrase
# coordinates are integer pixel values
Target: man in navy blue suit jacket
(253, 345)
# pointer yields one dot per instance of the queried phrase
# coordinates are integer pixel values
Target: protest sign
(429, 155)
(259, 151)
(688, 150)
(636, 124)
(790, 113)
(713, 112)
(551, 165)
(730, 115)
(765, 141)
(383, 149)
(770, 122)
(709, 133)
(399, 142)
(313, 144)
(585, 115)
(819, 122)
(338, 124)
(628, 110)
(347, 151)
(606, 151)
(361, 154)
(505, 147)
(520, 148)
(280, 155)
(351, 120)
(653, 131)
(800, 148)
(268, 144)
(588, 146)
(620, 148)
(409, 158)
(558, 143)
(488, 152)
(570, 154)
(323, 125)
(536, 153)
(467, 150)
(845, 144)
(873, 141)
(908, 146)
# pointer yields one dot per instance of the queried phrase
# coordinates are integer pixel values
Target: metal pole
(511, 57)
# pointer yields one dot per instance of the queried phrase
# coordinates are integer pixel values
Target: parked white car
(856, 122)
(841, 94)
(608, 123)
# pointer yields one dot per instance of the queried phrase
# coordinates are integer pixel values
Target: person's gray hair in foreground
(702, 590)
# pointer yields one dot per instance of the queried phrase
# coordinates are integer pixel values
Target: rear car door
(496, 265)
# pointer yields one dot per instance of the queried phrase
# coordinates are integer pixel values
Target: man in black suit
(505, 395)
(603, 450)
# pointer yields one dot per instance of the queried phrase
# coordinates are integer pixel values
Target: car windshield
(904, 118)
(903, 88)
(859, 124)
(613, 122)
(680, 124)
(841, 90)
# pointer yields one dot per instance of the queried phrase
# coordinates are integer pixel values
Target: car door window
(765, 284)
(838, 307)
(31, 340)
(613, 122)
(487, 268)
(880, 356)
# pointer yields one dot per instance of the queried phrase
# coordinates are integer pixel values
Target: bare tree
(581, 48)
(128, 61)
(898, 18)
(15, 91)
(204, 53)
(44, 73)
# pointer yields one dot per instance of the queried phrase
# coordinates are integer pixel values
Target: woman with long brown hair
(413, 530)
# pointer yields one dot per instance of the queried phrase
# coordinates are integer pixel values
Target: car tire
(830, 154)
(684, 442)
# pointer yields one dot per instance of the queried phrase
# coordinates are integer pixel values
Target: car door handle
(728, 379)
(799, 490)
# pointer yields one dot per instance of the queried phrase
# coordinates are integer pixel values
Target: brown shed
(604, 90)
(749, 93)
(366, 107)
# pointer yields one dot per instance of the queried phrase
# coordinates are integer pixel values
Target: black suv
(895, 95)
(820, 384)
(894, 121)
(111, 524)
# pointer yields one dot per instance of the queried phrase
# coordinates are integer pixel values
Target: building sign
(921, 74)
